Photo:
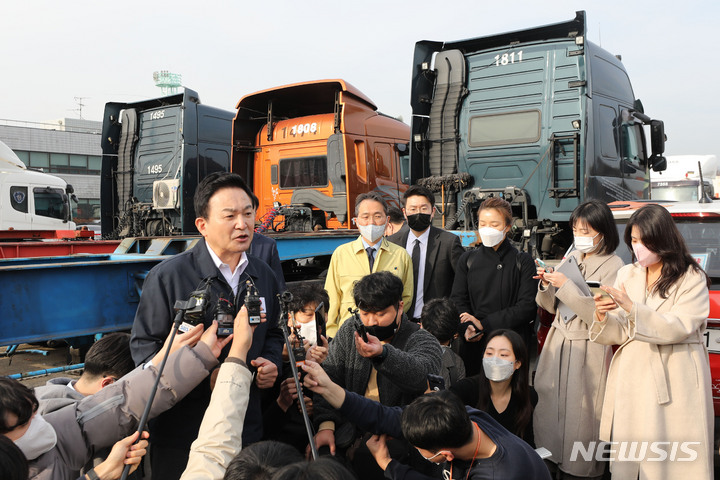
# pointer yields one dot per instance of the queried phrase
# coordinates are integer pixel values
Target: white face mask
(490, 236)
(372, 233)
(497, 369)
(309, 332)
(39, 438)
(585, 244)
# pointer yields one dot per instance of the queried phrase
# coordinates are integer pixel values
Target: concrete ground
(27, 360)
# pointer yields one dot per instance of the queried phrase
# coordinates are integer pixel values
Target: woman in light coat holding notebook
(571, 372)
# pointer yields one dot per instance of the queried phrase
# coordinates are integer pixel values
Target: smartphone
(595, 289)
(435, 382)
(544, 265)
(477, 334)
(361, 330)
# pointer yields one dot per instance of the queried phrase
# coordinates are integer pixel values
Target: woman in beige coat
(658, 406)
(571, 372)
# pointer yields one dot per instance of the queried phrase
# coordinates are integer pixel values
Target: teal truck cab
(541, 117)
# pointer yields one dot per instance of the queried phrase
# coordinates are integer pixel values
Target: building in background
(68, 148)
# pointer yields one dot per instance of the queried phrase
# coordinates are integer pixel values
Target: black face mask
(419, 221)
(383, 333)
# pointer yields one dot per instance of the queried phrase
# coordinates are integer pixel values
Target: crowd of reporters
(404, 311)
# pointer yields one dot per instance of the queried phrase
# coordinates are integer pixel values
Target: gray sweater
(402, 375)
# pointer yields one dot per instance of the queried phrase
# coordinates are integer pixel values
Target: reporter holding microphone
(658, 392)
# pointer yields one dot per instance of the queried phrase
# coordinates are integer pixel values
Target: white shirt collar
(423, 237)
(232, 278)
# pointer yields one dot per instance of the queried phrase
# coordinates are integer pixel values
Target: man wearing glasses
(370, 253)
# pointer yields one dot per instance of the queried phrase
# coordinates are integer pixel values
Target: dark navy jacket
(265, 248)
(513, 459)
(174, 279)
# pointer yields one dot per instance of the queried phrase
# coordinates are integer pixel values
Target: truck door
(50, 210)
(17, 217)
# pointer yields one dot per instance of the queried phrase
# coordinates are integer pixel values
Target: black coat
(497, 288)
(265, 248)
(443, 251)
(174, 279)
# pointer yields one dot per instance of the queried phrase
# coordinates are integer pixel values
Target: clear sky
(53, 51)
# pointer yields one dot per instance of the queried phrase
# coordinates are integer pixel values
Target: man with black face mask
(434, 251)
(391, 366)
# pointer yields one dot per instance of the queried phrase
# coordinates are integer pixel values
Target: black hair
(598, 215)
(660, 235)
(17, 399)
(441, 318)
(370, 196)
(214, 182)
(324, 468)
(305, 293)
(419, 190)
(395, 214)
(109, 356)
(13, 464)
(377, 291)
(259, 461)
(519, 382)
(436, 421)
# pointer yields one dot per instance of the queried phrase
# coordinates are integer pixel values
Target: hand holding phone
(595, 289)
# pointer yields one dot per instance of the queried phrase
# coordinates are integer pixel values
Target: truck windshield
(504, 129)
(49, 202)
(303, 172)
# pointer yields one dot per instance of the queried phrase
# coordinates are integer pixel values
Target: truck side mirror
(657, 143)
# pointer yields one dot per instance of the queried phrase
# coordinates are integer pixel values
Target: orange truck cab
(311, 148)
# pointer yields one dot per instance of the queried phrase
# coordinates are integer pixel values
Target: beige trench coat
(571, 372)
(658, 388)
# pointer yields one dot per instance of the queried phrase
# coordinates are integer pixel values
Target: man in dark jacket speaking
(219, 264)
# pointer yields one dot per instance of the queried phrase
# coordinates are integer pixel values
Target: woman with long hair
(502, 388)
(571, 372)
(658, 405)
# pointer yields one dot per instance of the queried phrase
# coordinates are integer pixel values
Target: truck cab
(31, 200)
(311, 148)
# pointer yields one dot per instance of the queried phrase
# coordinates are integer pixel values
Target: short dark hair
(305, 293)
(109, 356)
(377, 291)
(13, 464)
(259, 461)
(419, 190)
(324, 468)
(598, 215)
(395, 214)
(370, 196)
(211, 184)
(17, 399)
(441, 318)
(435, 421)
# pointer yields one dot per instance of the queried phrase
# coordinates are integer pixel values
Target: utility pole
(80, 103)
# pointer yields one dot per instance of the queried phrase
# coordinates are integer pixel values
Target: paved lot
(24, 361)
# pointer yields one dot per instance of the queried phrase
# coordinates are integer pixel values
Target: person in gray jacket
(391, 366)
(107, 360)
(59, 443)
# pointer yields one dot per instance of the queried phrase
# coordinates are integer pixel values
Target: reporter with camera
(59, 443)
(219, 266)
(440, 429)
(391, 365)
(220, 436)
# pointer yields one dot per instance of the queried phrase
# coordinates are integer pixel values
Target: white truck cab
(31, 200)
